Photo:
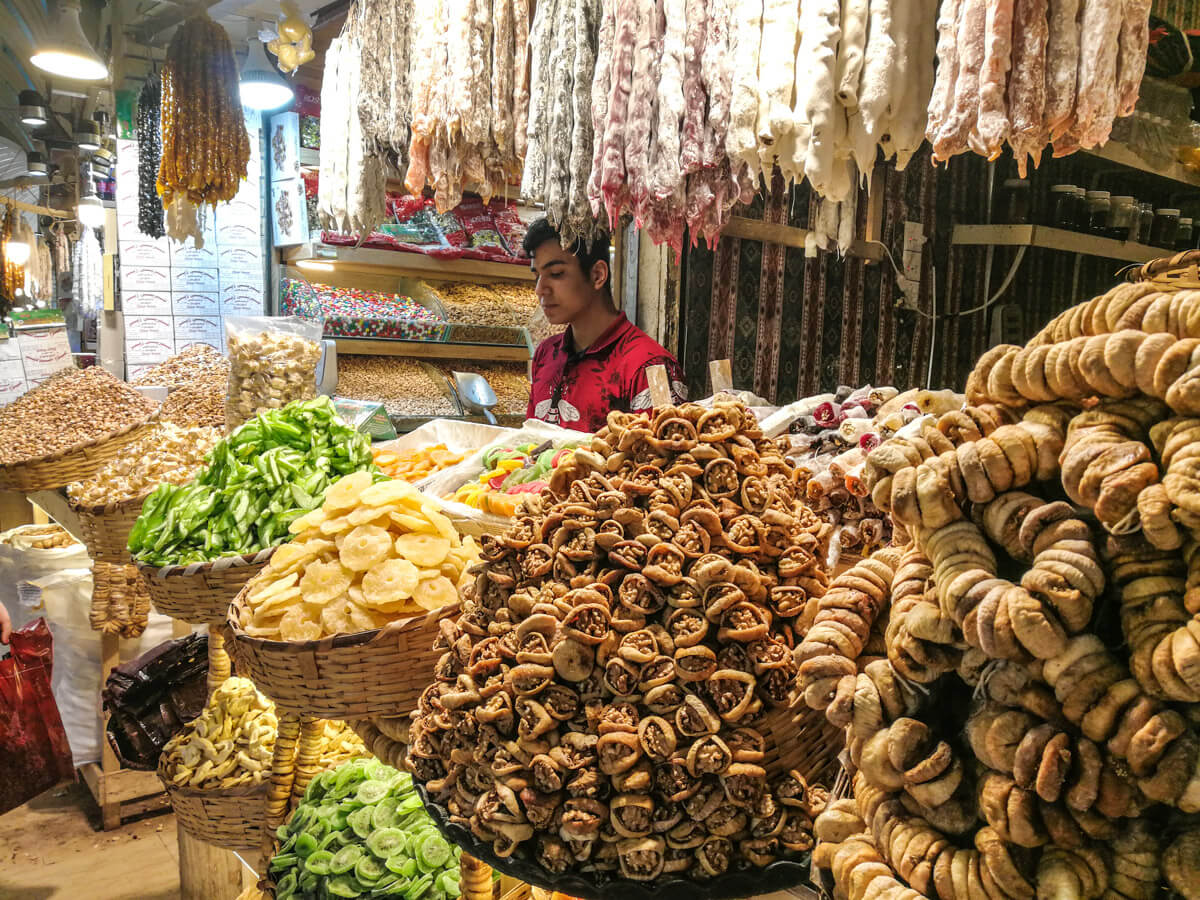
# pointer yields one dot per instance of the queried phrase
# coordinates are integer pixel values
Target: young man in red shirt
(599, 363)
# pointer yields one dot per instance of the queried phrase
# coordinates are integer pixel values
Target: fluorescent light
(68, 53)
(262, 87)
(90, 212)
(33, 109)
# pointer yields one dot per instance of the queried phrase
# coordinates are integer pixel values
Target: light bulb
(90, 212)
(68, 53)
(262, 87)
(17, 251)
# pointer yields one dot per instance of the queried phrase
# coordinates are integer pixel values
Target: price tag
(660, 386)
(721, 373)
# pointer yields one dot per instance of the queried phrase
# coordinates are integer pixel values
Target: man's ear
(600, 274)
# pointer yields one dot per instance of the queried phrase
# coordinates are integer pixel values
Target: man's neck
(587, 328)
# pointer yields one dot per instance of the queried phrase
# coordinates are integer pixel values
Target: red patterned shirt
(577, 389)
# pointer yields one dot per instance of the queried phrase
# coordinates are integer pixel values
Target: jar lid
(1063, 189)
(1097, 195)
(1122, 199)
(1166, 212)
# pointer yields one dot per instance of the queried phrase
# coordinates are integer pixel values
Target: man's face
(562, 288)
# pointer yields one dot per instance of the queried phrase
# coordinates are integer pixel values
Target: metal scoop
(476, 394)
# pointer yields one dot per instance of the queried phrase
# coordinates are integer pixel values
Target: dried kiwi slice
(360, 821)
(372, 790)
(343, 886)
(369, 870)
(385, 842)
(403, 865)
(344, 860)
(432, 851)
(318, 862)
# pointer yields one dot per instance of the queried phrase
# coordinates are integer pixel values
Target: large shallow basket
(1171, 273)
(224, 817)
(106, 528)
(348, 676)
(200, 593)
(57, 470)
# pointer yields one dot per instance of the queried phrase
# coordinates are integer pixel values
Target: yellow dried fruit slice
(412, 523)
(269, 585)
(363, 619)
(310, 519)
(344, 492)
(336, 525)
(277, 601)
(434, 593)
(324, 581)
(365, 546)
(443, 525)
(369, 514)
(294, 626)
(389, 581)
(387, 493)
(287, 554)
(423, 550)
(335, 617)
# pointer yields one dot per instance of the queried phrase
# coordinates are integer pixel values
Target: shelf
(1054, 239)
(361, 259)
(432, 349)
(1124, 155)
(790, 236)
(55, 505)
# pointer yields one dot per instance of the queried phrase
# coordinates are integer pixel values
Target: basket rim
(232, 793)
(335, 641)
(113, 506)
(162, 573)
(62, 454)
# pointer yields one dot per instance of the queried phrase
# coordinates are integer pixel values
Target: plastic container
(1146, 225)
(1098, 205)
(1064, 207)
(1165, 228)
(1016, 201)
(1122, 212)
(1184, 237)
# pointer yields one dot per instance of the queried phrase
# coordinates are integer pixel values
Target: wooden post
(14, 510)
(110, 658)
(721, 373)
(207, 872)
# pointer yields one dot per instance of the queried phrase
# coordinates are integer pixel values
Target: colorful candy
(354, 312)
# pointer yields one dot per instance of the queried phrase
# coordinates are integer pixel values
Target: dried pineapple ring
(443, 525)
(372, 515)
(335, 617)
(423, 550)
(434, 593)
(345, 491)
(389, 581)
(387, 493)
(311, 519)
(324, 581)
(365, 546)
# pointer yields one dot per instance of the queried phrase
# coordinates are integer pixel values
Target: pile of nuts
(510, 381)
(401, 384)
(38, 537)
(269, 370)
(201, 402)
(71, 408)
(166, 453)
(197, 362)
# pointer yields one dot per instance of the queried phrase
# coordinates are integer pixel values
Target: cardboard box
(134, 371)
(240, 261)
(146, 303)
(149, 328)
(289, 212)
(195, 303)
(192, 280)
(145, 252)
(145, 278)
(12, 380)
(149, 351)
(238, 232)
(44, 351)
(242, 299)
(204, 329)
(188, 256)
(283, 146)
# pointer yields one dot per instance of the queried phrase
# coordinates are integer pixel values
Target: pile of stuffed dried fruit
(601, 702)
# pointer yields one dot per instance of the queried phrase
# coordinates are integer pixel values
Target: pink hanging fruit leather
(34, 754)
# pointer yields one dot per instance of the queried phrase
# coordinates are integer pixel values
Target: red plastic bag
(34, 754)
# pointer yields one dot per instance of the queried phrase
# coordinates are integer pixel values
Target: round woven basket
(348, 676)
(1178, 272)
(231, 818)
(79, 463)
(106, 528)
(200, 593)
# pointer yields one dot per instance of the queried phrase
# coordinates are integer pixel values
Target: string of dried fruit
(205, 147)
(149, 150)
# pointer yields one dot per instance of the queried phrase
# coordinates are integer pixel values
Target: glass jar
(1183, 236)
(1064, 207)
(1166, 226)
(1098, 205)
(1016, 201)
(1147, 225)
(1122, 211)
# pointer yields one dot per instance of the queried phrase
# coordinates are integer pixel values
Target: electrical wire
(933, 326)
(1012, 272)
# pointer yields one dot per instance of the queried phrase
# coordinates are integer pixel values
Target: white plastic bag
(19, 564)
(272, 361)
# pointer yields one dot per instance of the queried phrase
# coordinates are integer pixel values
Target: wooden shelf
(54, 504)
(1124, 155)
(362, 259)
(1054, 239)
(790, 236)
(432, 349)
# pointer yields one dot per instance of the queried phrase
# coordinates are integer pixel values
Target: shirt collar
(609, 337)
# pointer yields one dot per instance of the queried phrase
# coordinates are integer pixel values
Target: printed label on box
(134, 371)
(145, 278)
(236, 260)
(43, 352)
(145, 253)
(197, 328)
(187, 280)
(187, 256)
(149, 351)
(241, 299)
(146, 303)
(244, 208)
(181, 345)
(149, 328)
(12, 381)
(195, 303)
(283, 145)
(238, 232)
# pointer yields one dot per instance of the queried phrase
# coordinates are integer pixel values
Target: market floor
(52, 848)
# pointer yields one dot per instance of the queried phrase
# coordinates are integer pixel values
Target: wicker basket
(231, 818)
(803, 741)
(57, 470)
(106, 528)
(1171, 273)
(200, 593)
(350, 676)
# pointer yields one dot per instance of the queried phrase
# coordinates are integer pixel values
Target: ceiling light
(17, 251)
(68, 53)
(90, 211)
(35, 166)
(87, 135)
(262, 86)
(33, 109)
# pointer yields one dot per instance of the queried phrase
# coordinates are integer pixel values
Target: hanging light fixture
(17, 248)
(33, 109)
(262, 87)
(35, 166)
(90, 211)
(87, 135)
(68, 53)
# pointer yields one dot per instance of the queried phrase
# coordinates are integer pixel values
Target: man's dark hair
(587, 252)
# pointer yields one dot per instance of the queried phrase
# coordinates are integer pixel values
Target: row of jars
(1100, 213)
